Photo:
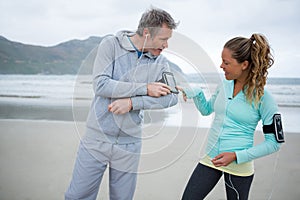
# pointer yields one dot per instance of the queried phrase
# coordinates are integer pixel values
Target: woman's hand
(183, 93)
(224, 159)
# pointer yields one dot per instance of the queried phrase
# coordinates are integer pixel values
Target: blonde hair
(256, 50)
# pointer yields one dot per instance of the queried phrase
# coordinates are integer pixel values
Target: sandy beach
(37, 158)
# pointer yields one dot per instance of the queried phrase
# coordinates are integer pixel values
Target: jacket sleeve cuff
(241, 156)
(141, 90)
(137, 103)
(192, 92)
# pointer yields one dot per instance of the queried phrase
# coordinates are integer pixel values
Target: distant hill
(64, 58)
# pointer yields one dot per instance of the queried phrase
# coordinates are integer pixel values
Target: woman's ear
(245, 65)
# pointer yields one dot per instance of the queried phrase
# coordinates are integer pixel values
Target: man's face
(156, 44)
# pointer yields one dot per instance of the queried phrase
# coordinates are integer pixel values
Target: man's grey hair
(154, 19)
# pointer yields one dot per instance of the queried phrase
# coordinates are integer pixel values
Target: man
(127, 72)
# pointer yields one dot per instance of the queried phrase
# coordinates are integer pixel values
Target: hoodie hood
(122, 36)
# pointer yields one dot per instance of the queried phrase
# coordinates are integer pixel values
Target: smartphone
(278, 128)
(169, 79)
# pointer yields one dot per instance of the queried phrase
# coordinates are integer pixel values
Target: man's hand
(120, 106)
(224, 159)
(158, 89)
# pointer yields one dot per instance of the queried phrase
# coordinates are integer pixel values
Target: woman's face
(233, 70)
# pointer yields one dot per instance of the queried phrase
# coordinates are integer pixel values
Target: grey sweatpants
(91, 163)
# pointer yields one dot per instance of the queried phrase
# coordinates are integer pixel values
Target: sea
(64, 90)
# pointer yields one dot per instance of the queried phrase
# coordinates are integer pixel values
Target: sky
(209, 23)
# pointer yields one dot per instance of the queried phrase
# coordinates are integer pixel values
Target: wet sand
(37, 158)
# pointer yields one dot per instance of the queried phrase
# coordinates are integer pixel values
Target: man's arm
(103, 84)
(125, 105)
(148, 102)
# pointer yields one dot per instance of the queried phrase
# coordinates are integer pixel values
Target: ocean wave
(21, 96)
(289, 105)
(54, 87)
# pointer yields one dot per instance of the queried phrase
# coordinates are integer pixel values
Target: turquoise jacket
(235, 122)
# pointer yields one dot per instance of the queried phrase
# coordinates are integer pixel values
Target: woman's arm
(267, 109)
(206, 107)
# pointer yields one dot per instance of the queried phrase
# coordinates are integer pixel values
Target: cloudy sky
(209, 23)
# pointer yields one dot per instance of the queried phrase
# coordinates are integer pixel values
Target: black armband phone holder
(169, 79)
(275, 128)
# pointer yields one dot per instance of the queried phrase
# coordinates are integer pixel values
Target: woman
(239, 103)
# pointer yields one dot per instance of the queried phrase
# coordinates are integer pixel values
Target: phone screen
(278, 127)
(170, 81)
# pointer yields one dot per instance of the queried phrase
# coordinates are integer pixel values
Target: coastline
(77, 110)
(38, 156)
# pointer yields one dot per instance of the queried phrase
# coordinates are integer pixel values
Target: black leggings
(204, 179)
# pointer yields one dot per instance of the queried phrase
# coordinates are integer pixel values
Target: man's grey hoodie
(119, 73)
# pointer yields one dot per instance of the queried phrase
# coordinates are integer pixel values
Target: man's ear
(146, 32)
